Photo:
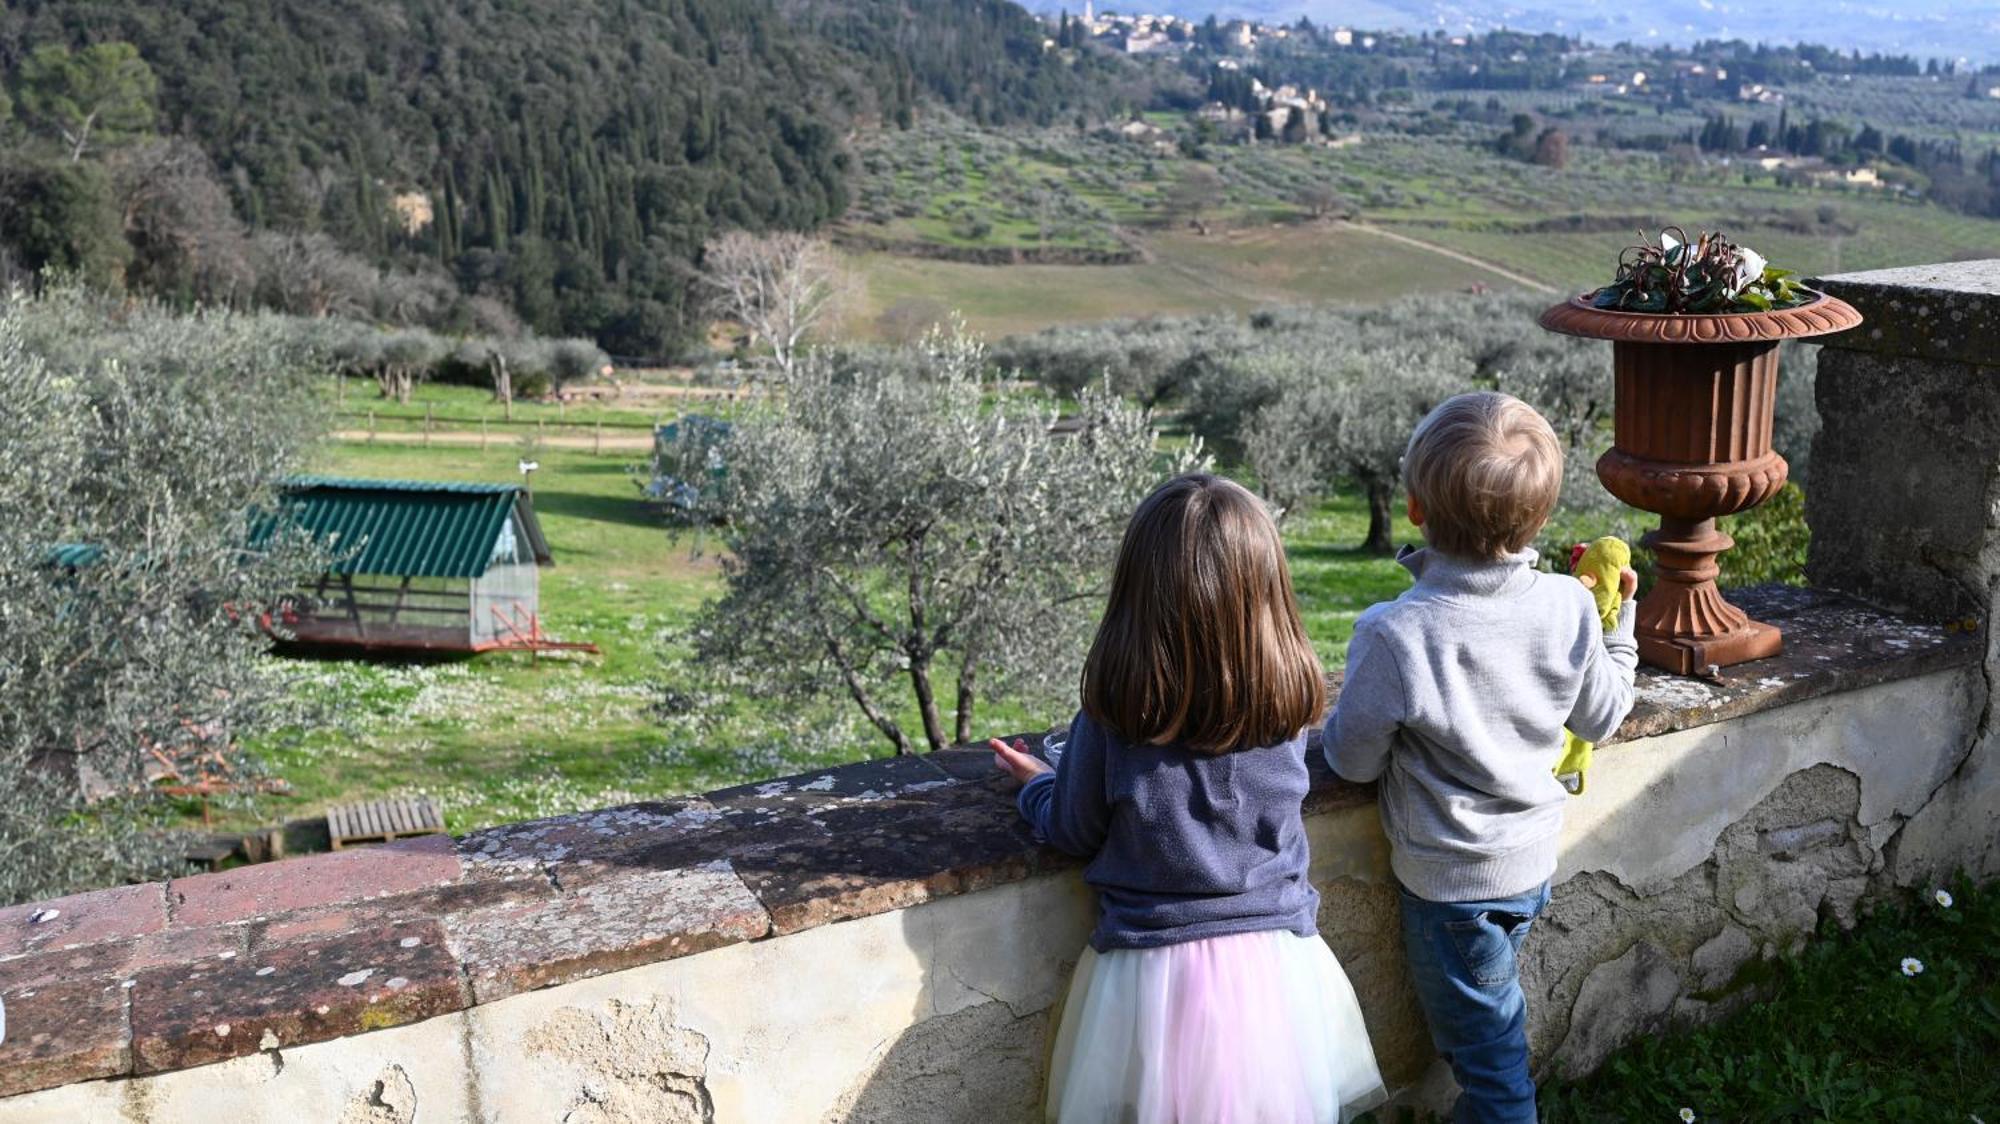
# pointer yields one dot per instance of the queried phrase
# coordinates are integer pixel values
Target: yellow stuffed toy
(1597, 565)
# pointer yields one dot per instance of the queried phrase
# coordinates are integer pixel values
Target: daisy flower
(1912, 966)
(1687, 1116)
(1942, 897)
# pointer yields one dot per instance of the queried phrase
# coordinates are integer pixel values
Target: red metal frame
(521, 632)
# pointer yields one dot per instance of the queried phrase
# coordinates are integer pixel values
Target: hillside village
(1256, 91)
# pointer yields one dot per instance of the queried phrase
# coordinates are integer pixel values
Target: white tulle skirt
(1254, 1028)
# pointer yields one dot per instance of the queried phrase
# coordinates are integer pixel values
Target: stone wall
(884, 942)
(1908, 515)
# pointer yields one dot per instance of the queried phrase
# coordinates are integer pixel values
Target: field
(1465, 214)
(504, 737)
(1235, 270)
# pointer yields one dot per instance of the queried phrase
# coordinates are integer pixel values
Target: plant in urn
(1694, 329)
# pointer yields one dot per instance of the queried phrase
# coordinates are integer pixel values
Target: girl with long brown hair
(1206, 995)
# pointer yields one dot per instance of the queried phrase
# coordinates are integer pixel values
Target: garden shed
(420, 566)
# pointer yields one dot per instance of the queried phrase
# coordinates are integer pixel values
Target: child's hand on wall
(1016, 761)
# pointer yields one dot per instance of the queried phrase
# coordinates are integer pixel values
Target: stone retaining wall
(884, 942)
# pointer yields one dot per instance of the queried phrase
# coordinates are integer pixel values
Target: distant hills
(1944, 29)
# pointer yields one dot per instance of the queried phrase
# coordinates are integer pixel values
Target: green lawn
(502, 737)
(506, 736)
(1844, 1033)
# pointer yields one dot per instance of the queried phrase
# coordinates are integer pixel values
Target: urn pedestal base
(1681, 656)
(1684, 625)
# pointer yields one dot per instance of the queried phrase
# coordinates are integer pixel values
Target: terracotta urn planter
(1695, 398)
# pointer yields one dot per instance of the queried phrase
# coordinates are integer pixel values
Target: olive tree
(407, 357)
(1384, 392)
(1344, 410)
(1321, 398)
(486, 355)
(892, 524)
(140, 447)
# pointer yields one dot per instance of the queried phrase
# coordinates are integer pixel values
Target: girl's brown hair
(1201, 642)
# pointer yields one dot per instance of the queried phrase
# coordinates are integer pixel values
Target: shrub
(1771, 541)
(573, 361)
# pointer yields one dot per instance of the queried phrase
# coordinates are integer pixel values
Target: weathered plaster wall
(1691, 854)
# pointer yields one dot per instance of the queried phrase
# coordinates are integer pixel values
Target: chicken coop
(419, 566)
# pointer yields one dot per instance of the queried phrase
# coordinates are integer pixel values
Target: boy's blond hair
(1487, 470)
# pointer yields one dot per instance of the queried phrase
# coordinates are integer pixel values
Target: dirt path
(1468, 259)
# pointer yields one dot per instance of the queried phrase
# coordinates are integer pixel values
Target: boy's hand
(1628, 583)
(1016, 761)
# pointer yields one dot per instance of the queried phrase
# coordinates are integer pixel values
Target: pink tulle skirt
(1255, 1028)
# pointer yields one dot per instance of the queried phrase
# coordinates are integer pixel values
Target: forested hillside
(568, 159)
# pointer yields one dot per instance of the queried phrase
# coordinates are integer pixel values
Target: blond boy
(1456, 697)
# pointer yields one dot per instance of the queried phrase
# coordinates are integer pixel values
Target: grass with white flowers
(1897, 1021)
(505, 737)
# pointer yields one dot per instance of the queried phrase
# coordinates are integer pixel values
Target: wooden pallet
(378, 821)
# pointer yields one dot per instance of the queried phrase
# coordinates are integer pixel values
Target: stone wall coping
(1948, 311)
(143, 979)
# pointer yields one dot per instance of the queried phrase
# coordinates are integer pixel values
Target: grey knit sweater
(1456, 697)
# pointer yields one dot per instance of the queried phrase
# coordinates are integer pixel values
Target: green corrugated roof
(75, 555)
(416, 528)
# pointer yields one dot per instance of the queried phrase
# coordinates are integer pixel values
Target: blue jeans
(1462, 959)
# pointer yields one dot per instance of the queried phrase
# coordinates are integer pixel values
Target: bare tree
(490, 316)
(406, 297)
(308, 275)
(184, 233)
(779, 286)
(1199, 189)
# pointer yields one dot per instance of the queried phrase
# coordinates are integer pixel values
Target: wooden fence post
(598, 449)
(428, 422)
(371, 425)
